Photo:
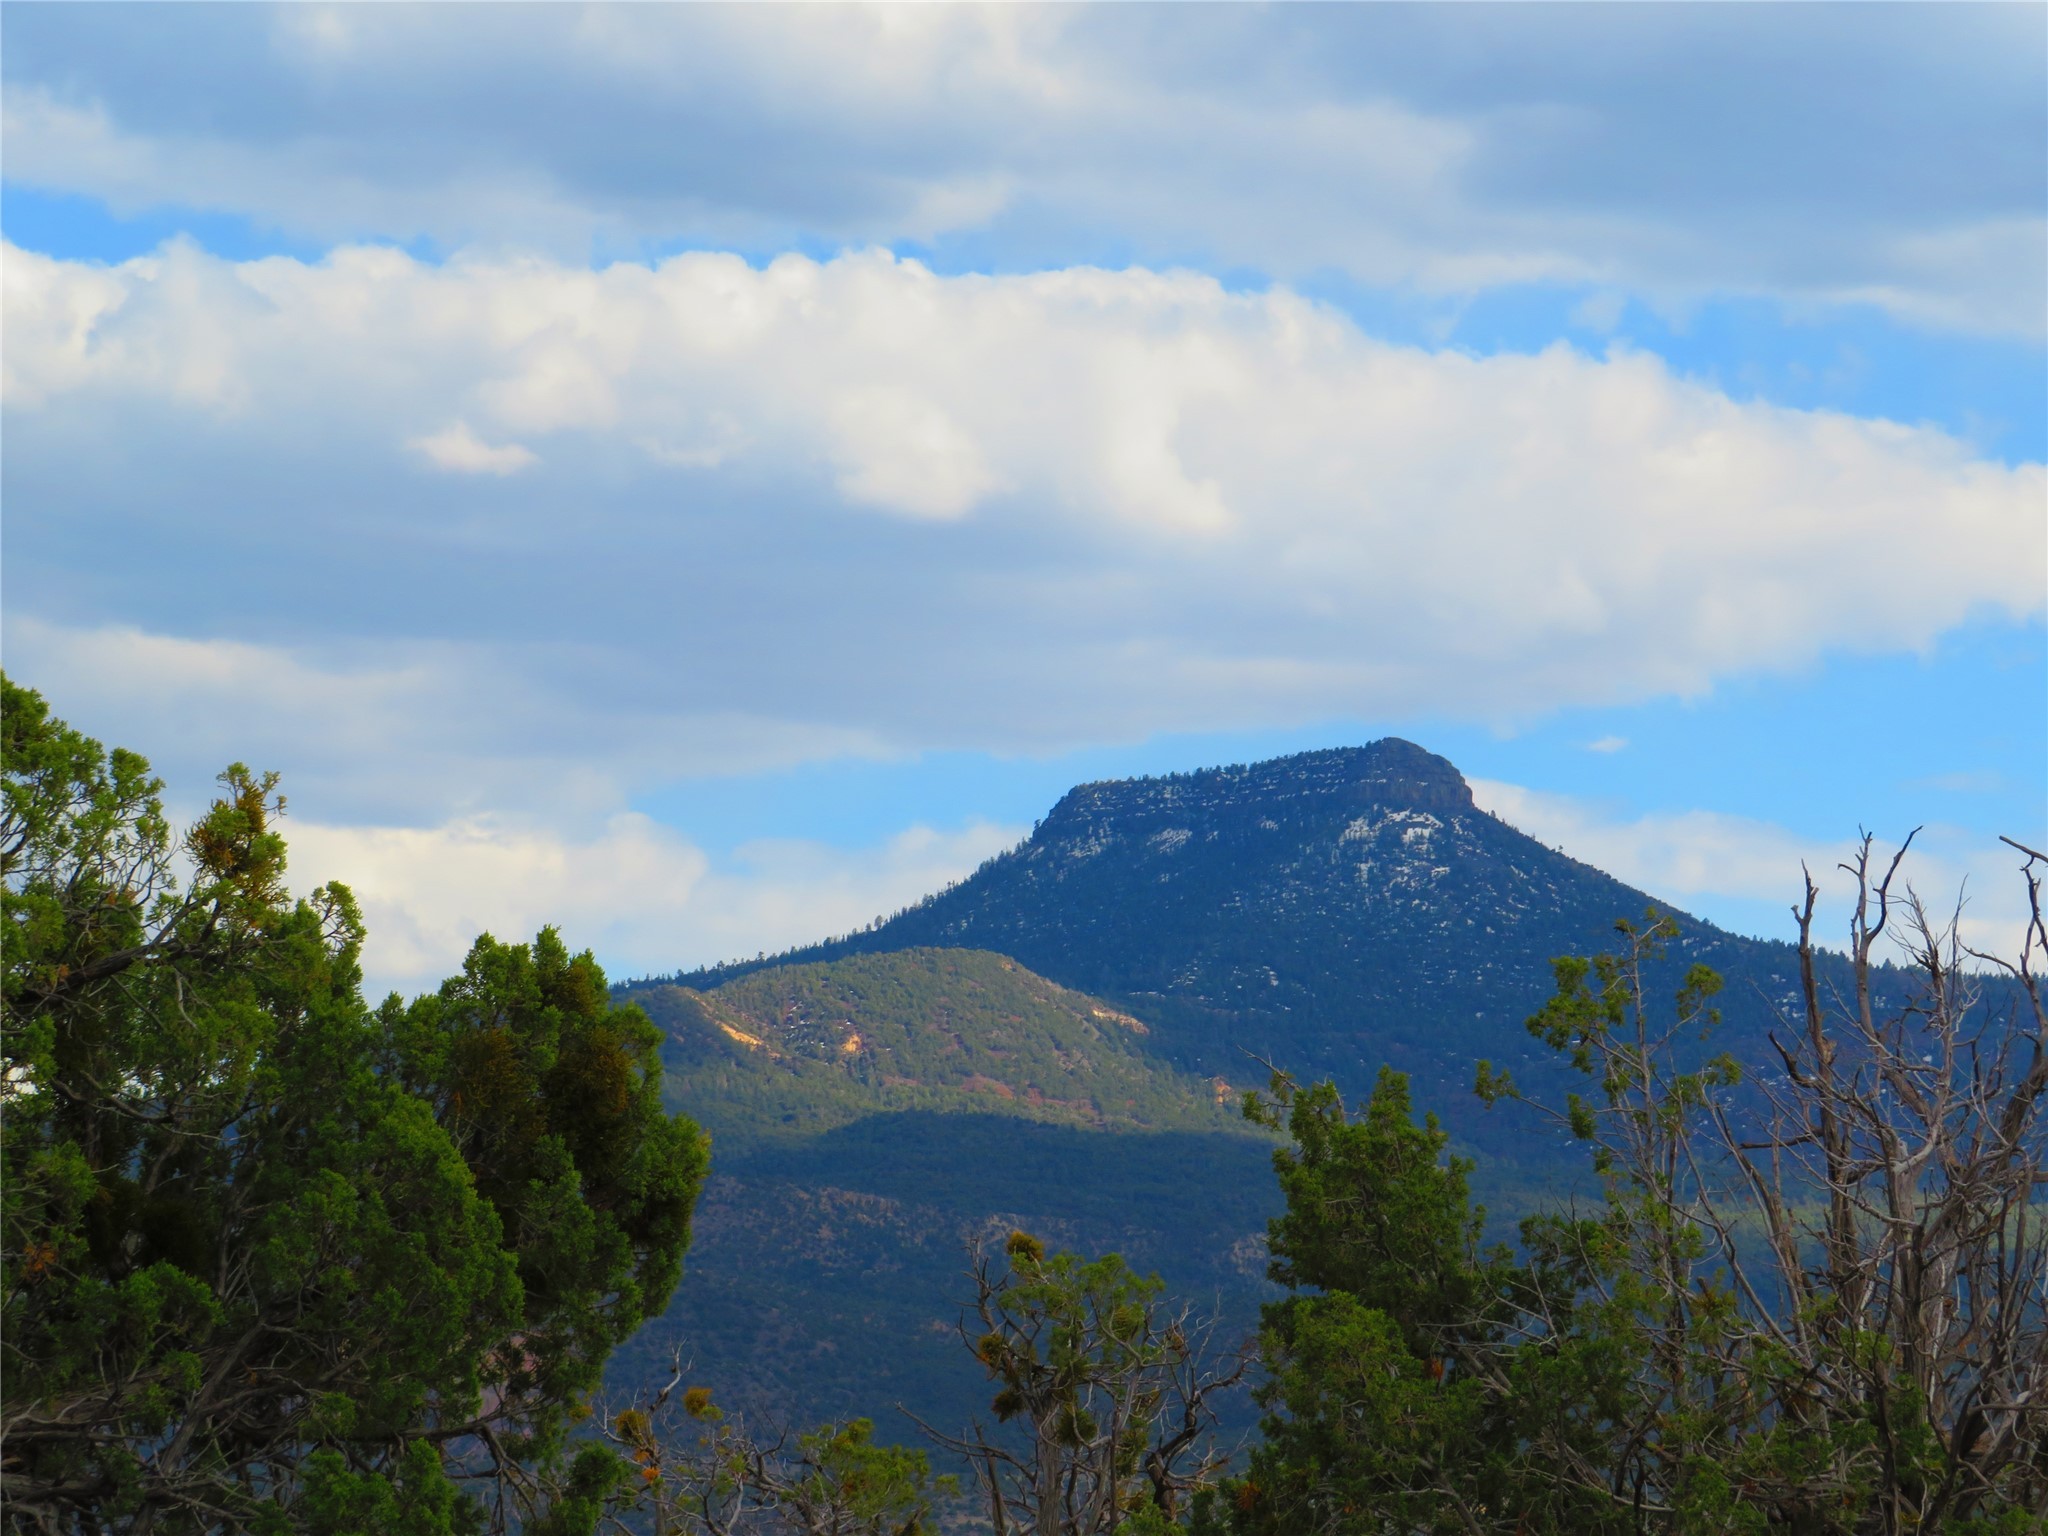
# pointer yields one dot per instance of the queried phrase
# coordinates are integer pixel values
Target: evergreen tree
(1372, 1422)
(272, 1261)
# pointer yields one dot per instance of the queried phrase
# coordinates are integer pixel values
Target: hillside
(871, 1114)
(799, 1050)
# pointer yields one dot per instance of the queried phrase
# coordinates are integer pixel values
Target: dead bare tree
(1830, 1278)
(1921, 1126)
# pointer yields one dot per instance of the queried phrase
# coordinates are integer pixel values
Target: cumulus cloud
(904, 454)
(1017, 513)
(645, 899)
(1705, 859)
(819, 510)
(1665, 150)
(461, 451)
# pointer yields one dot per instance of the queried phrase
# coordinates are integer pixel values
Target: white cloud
(1132, 501)
(904, 454)
(509, 828)
(1607, 744)
(645, 899)
(1708, 860)
(1668, 152)
(460, 450)
(417, 731)
(1679, 854)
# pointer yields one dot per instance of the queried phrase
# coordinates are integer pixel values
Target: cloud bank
(1833, 155)
(1008, 513)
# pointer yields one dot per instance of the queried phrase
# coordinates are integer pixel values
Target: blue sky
(707, 475)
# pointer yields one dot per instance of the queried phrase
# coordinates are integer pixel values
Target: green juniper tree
(1374, 1421)
(271, 1261)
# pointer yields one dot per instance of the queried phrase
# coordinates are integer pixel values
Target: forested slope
(871, 1114)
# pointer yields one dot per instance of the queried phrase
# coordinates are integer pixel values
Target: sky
(705, 477)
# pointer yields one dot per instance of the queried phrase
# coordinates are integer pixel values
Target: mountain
(1046, 1043)
(1328, 912)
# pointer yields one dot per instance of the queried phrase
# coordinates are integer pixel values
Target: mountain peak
(1389, 773)
(1331, 911)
